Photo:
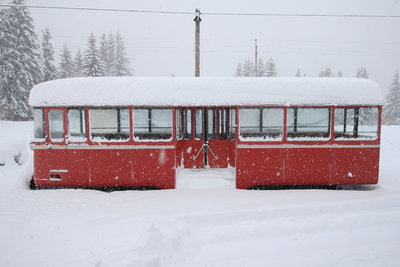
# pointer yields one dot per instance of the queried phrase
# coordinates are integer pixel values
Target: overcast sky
(162, 45)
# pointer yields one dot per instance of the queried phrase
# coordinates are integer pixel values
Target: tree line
(391, 109)
(27, 59)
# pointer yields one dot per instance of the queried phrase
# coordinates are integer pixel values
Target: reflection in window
(152, 124)
(76, 125)
(187, 123)
(308, 123)
(223, 124)
(56, 125)
(198, 129)
(211, 127)
(179, 124)
(361, 123)
(260, 124)
(109, 124)
(38, 117)
(232, 124)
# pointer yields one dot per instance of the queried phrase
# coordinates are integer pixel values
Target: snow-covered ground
(204, 222)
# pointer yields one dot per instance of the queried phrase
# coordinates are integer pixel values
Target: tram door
(208, 140)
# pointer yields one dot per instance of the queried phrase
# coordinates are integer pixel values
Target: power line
(204, 13)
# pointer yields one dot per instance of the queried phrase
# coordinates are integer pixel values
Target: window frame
(138, 138)
(263, 136)
(106, 140)
(56, 140)
(83, 124)
(43, 125)
(307, 136)
(355, 133)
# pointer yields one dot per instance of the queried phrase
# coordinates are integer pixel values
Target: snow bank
(205, 222)
(166, 91)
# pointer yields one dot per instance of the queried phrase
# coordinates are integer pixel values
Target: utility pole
(255, 60)
(197, 20)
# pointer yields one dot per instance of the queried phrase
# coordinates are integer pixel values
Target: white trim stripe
(306, 146)
(102, 147)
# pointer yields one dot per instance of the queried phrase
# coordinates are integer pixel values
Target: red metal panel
(355, 166)
(259, 167)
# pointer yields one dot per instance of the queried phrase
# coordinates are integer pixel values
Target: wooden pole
(255, 60)
(197, 20)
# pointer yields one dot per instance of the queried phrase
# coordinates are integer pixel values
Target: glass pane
(188, 124)
(38, 124)
(199, 124)
(211, 133)
(109, 124)
(76, 125)
(344, 123)
(308, 122)
(368, 123)
(223, 124)
(124, 121)
(249, 120)
(56, 125)
(141, 120)
(232, 124)
(272, 122)
(152, 124)
(179, 133)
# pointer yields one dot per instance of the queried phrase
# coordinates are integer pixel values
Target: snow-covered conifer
(298, 73)
(260, 68)
(66, 68)
(248, 68)
(49, 68)
(121, 60)
(362, 73)
(392, 108)
(111, 62)
(327, 72)
(270, 68)
(92, 65)
(238, 72)
(78, 64)
(20, 61)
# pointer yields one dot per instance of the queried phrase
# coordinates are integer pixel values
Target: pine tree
(239, 71)
(20, 61)
(362, 73)
(104, 54)
(66, 68)
(92, 65)
(121, 59)
(248, 68)
(49, 68)
(78, 64)
(111, 65)
(298, 73)
(260, 68)
(270, 68)
(392, 108)
(327, 72)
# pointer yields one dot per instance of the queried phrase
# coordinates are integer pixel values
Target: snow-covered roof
(204, 91)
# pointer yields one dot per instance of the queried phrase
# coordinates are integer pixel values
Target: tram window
(109, 124)
(361, 123)
(56, 125)
(223, 124)
(38, 116)
(232, 124)
(76, 125)
(152, 124)
(198, 129)
(179, 132)
(308, 123)
(261, 124)
(187, 122)
(211, 131)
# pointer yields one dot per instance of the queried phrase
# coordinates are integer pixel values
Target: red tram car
(136, 132)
